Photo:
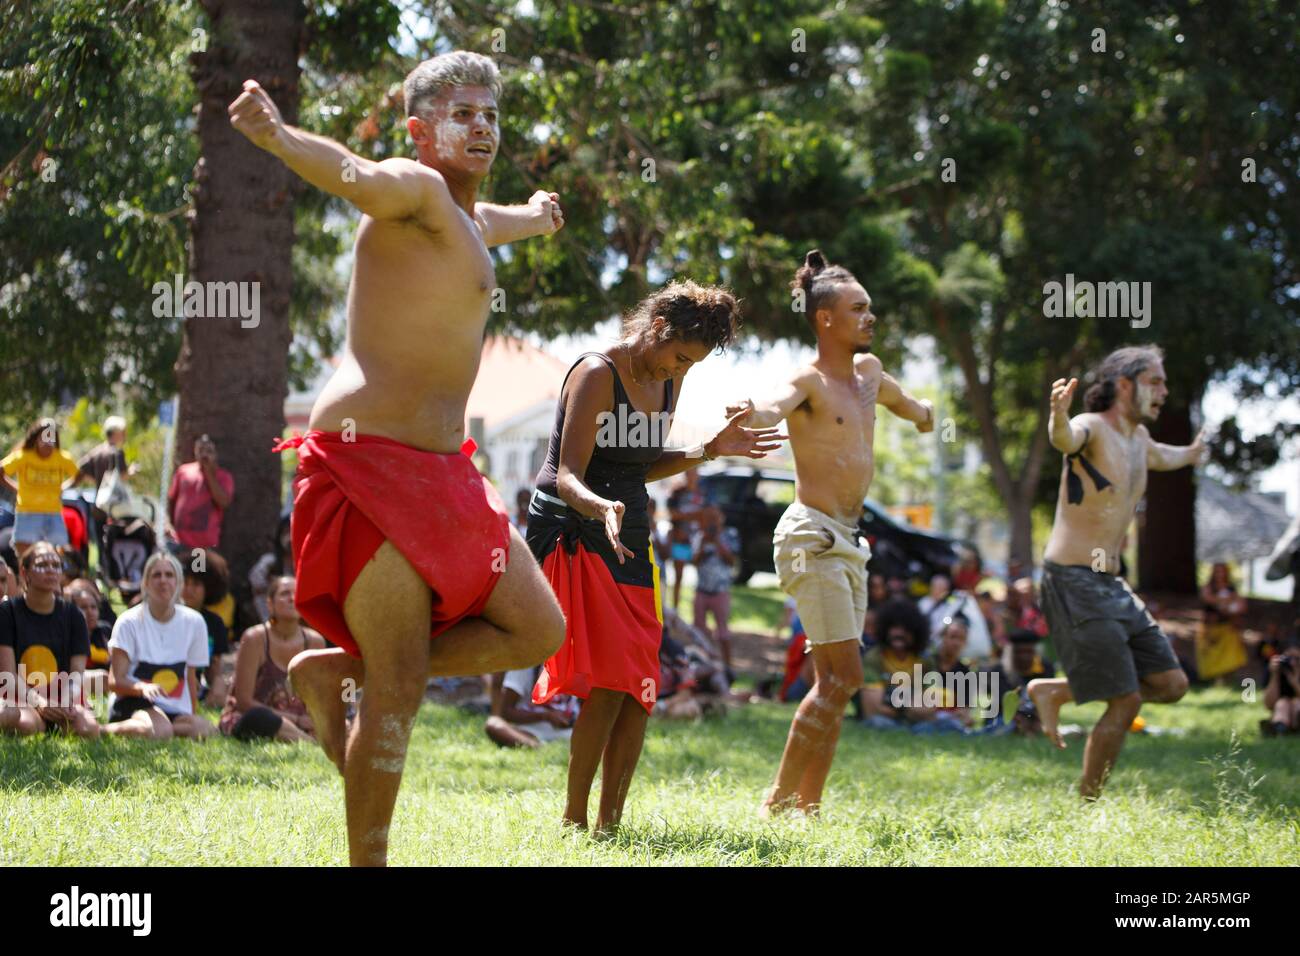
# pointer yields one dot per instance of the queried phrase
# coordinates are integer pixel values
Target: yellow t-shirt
(40, 480)
(224, 609)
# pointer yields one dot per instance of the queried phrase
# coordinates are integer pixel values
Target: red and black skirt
(612, 611)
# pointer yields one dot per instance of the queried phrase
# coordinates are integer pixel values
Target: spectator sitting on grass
(7, 581)
(1282, 693)
(261, 704)
(196, 592)
(156, 647)
(45, 636)
(1021, 662)
(943, 602)
(967, 575)
(956, 710)
(877, 591)
(275, 563)
(85, 596)
(521, 723)
(988, 609)
(42, 468)
(904, 634)
(1022, 610)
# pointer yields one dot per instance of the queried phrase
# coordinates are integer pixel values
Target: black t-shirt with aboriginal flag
(45, 643)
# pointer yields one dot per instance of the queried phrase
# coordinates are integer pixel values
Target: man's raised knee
(550, 630)
(1173, 687)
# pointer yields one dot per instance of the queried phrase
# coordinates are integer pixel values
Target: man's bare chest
(847, 409)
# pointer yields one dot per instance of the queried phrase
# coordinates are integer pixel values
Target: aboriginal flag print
(612, 611)
(170, 677)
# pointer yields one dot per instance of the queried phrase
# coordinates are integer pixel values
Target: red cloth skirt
(442, 515)
(612, 612)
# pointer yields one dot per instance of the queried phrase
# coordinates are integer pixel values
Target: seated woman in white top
(155, 649)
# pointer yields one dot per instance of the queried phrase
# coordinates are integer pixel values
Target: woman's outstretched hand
(736, 439)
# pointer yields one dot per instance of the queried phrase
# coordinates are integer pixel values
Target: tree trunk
(1167, 529)
(1019, 511)
(232, 371)
(1017, 493)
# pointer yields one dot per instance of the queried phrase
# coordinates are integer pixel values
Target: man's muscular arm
(766, 412)
(897, 399)
(1066, 436)
(391, 189)
(540, 216)
(1162, 457)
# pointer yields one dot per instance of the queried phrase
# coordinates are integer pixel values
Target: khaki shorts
(822, 565)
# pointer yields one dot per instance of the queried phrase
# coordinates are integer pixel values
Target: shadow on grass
(666, 839)
(52, 764)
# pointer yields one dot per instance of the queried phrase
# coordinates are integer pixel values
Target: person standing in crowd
(714, 549)
(1220, 649)
(685, 503)
(201, 491)
(45, 636)
(156, 647)
(42, 468)
(107, 456)
(261, 704)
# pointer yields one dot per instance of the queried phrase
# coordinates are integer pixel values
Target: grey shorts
(1102, 632)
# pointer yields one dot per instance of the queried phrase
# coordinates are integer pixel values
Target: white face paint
(1146, 397)
(463, 125)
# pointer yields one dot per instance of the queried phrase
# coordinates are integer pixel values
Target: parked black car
(752, 501)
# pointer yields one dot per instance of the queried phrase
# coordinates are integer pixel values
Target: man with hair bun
(397, 538)
(830, 409)
(1110, 646)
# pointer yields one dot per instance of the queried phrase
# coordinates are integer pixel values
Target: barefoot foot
(316, 678)
(1048, 694)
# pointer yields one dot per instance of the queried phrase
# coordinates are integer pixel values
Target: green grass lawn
(893, 799)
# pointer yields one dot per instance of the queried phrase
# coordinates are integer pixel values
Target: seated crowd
(957, 660)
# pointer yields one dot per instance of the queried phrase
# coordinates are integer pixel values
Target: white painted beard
(1144, 404)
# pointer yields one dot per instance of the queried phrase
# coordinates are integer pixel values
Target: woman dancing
(589, 527)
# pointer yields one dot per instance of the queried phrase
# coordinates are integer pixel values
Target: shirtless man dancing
(396, 536)
(1111, 648)
(830, 410)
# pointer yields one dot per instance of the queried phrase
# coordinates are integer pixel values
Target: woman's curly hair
(688, 311)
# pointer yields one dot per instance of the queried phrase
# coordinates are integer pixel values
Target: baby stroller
(126, 540)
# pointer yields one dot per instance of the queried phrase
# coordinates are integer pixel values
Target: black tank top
(627, 444)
